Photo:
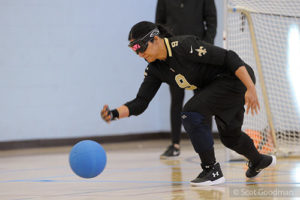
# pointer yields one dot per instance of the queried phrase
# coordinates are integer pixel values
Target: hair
(140, 29)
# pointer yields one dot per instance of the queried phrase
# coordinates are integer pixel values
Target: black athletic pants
(223, 98)
(177, 98)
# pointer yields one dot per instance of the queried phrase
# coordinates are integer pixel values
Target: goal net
(266, 35)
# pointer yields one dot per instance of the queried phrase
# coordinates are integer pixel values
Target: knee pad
(198, 131)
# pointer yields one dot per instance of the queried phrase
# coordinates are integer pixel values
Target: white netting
(272, 22)
(273, 7)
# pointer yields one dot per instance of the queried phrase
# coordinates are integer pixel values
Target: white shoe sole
(206, 183)
(273, 163)
(274, 160)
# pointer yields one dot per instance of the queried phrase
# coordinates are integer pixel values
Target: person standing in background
(185, 17)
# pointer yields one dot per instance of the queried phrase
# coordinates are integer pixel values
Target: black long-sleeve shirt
(191, 64)
(188, 17)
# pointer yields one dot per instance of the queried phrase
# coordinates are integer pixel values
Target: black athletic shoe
(170, 152)
(254, 170)
(211, 175)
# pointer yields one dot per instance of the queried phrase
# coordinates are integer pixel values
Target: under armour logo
(201, 51)
(183, 116)
(215, 174)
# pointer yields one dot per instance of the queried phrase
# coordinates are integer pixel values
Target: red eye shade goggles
(140, 45)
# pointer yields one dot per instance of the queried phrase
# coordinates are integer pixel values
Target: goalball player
(223, 82)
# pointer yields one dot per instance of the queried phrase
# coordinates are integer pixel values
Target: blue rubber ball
(87, 159)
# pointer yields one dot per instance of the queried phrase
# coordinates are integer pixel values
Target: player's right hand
(251, 101)
(106, 114)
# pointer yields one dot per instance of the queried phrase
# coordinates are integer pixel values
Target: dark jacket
(188, 17)
(191, 64)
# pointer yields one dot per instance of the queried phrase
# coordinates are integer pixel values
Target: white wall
(61, 60)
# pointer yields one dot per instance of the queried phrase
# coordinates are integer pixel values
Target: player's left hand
(251, 101)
